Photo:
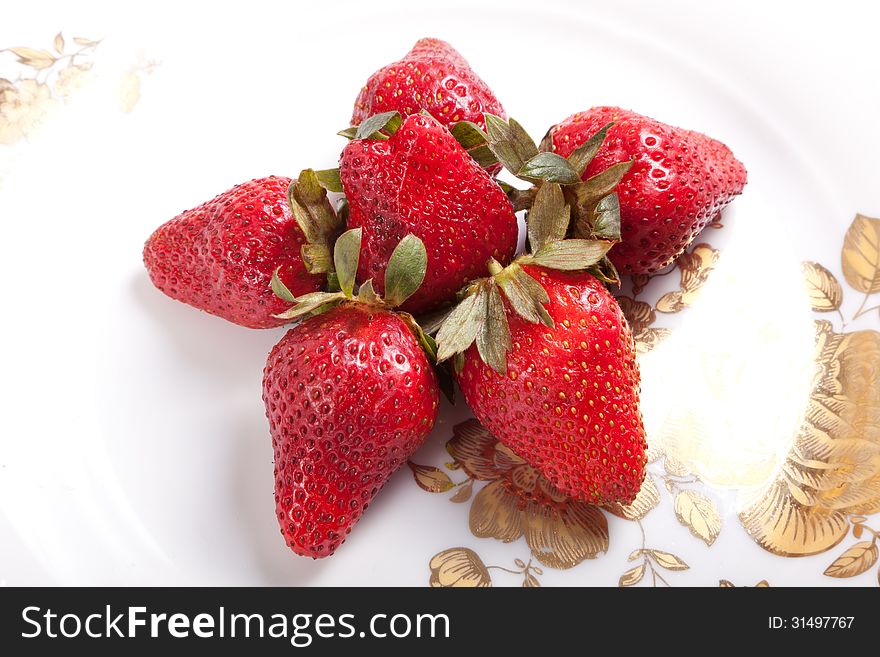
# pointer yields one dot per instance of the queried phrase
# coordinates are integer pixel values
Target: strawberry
(433, 76)
(679, 181)
(220, 256)
(349, 395)
(544, 356)
(569, 401)
(420, 180)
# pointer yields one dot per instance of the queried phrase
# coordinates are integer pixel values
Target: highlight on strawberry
(350, 395)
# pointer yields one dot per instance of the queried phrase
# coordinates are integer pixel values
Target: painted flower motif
(833, 468)
(458, 567)
(518, 501)
(73, 78)
(23, 108)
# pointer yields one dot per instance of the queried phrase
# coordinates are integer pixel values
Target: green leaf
(603, 183)
(345, 258)
(366, 292)
(427, 343)
(550, 167)
(509, 142)
(310, 302)
(431, 322)
(605, 271)
(458, 363)
(606, 220)
(507, 188)
(316, 258)
(571, 254)
(462, 325)
(280, 289)
(581, 157)
(329, 180)
(483, 156)
(525, 294)
(348, 133)
(406, 270)
(493, 338)
(373, 127)
(311, 208)
(342, 211)
(469, 134)
(549, 217)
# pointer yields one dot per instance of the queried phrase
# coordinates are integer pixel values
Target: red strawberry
(350, 396)
(680, 181)
(432, 77)
(220, 256)
(569, 401)
(421, 181)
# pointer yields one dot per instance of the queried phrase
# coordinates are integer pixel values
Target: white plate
(134, 447)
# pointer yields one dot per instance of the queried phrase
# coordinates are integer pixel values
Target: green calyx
(319, 222)
(379, 127)
(403, 276)
(572, 224)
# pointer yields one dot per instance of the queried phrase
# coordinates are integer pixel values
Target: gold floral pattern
(833, 468)
(458, 567)
(518, 501)
(50, 77)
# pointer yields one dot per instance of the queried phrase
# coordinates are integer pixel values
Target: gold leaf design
(430, 478)
(23, 109)
(562, 538)
(671, 302)
(727, 584)
(667, 560)
(854, 561)
(648, 338)
(675, 467)
(648, 497)
(632, 576)
(861, 254)
(833, 467)
(519, 502)
(694, 267)
(698, 513)
(34, 57)
(58, 43)
(531, 581)
(458, 567)
(639, 315)
(129, 92)
(825, 292)
(463, 494)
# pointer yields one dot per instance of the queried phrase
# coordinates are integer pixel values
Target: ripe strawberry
(569, 402)
(421, 181)
(433, 76)
(220, 256)
(349, 394)
(543, 353)
(679, 181)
